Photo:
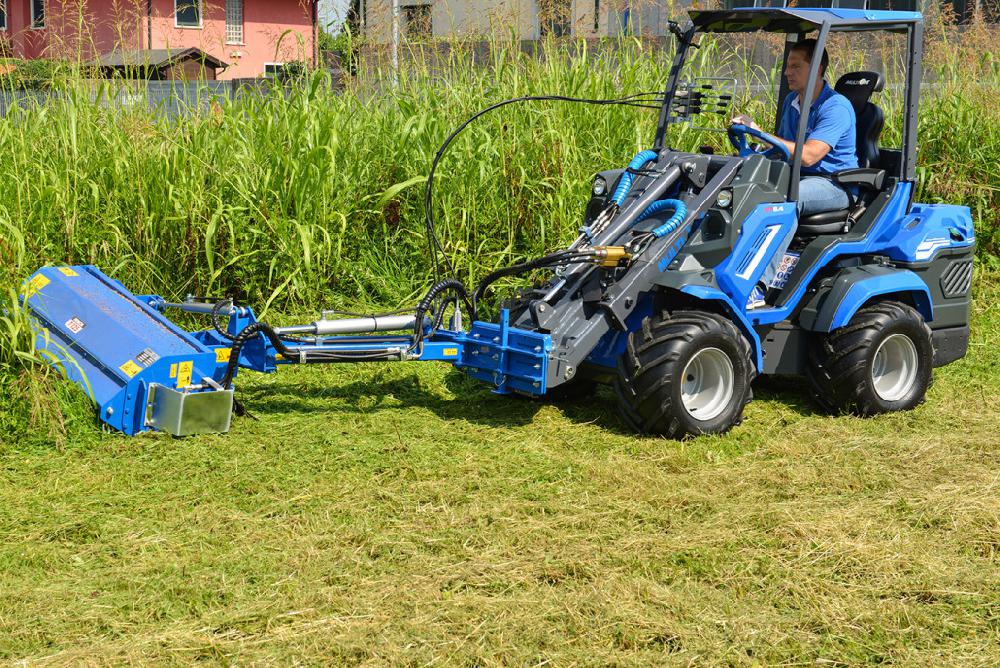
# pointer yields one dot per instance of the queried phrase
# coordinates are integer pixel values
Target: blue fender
(857, 286)
(713, 294)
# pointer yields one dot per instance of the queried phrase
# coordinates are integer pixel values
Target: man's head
(799, 60)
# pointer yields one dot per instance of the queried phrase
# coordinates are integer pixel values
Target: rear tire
(880, 362)
(685, 373)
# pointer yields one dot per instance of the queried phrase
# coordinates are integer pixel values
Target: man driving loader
(830, 144)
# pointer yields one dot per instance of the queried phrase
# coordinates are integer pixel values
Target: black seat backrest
(858, 88)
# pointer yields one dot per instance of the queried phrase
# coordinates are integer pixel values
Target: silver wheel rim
(707, 386)
(894, 369)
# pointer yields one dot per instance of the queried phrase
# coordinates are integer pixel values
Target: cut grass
(405, 515)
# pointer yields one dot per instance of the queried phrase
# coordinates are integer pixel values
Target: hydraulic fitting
(610, 256)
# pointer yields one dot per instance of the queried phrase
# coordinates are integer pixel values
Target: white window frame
(271, 76)
(201, 15)
(242, 23)
(35, 25)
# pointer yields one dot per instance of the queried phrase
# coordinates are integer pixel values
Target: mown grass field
(404, 515)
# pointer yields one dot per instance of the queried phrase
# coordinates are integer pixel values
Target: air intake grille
(957, 278)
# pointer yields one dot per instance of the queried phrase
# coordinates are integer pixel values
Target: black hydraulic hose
(434, 245)
(447, 285)
(242, 338)
(216, 311)
(555, 259)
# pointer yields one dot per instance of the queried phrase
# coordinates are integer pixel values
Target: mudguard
(707, 293)
(854, 287)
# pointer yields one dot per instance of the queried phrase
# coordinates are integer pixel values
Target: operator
(830, 144)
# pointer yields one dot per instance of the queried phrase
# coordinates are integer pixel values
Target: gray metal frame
(799, 22)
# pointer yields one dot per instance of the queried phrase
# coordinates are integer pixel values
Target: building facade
(525, 19)
(535, 19)
(253, 37)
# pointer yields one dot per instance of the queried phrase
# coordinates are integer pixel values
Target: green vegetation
(403, 514)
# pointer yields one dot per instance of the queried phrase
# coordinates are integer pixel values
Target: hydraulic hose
(447, 285)
(554, 259)
(216, 323)
(652, 100)
(628, 178)
(680, 212)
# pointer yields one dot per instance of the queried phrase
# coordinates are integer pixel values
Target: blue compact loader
(660, 295)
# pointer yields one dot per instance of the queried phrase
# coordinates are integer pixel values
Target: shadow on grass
(472, 401)
(791, 391)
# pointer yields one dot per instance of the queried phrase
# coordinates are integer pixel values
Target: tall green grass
(313, 198)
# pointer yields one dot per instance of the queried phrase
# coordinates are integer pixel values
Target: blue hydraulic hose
(680, 212)
(625, 185)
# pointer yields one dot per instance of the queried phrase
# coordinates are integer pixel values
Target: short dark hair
(808, 48)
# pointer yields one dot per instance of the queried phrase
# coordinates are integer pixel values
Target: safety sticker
(75, 325)
(222, 355)
(130, 369)
(785, 269)
(173, 370)
(36, 284)
(184, 371)
(451, 352)
(147, 357)
(66, 271)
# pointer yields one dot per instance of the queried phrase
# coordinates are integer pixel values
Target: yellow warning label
(184, 374)
(173, 370)
(451, 352)
(36, 284)
(222, 355)
(130, 369)
(68, 272)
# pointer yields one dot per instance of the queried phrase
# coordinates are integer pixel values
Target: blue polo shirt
(831, 121)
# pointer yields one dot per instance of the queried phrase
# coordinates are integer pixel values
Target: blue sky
(332, 11)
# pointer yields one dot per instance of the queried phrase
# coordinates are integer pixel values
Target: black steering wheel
(738, 138)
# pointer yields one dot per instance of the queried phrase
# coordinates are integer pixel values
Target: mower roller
(659, 295)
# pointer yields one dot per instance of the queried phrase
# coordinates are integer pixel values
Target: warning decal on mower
(75, 325)
(36, 284)
(184, 370)
(222, 355)
(130, 369)
(66, 271)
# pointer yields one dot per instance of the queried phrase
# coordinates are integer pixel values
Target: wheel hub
(707, 384)
(894, 368)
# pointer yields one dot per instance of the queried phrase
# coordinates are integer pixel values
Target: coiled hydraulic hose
(671, 224)
(628, 178)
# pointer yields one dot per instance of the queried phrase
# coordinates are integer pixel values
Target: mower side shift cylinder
(394, 323)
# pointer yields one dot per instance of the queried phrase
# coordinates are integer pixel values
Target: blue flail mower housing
(142, 370)
(146, 373)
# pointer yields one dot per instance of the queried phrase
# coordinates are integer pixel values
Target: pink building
(254, 37)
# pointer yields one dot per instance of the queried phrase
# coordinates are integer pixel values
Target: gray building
(526, 19)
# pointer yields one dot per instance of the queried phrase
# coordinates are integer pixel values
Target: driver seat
(857, 87)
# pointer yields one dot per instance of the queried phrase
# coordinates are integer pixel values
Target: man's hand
(743, 119)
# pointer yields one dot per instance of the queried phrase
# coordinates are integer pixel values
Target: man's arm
(832, 124)
(814, 150)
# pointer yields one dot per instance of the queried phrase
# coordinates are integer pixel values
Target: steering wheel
(738, 138)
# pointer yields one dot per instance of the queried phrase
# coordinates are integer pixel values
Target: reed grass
(312, 197)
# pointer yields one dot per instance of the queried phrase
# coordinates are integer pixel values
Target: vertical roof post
(800, 135)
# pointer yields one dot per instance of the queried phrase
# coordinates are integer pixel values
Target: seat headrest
(859, 86)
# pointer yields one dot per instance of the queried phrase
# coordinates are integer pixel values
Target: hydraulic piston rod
(392, 323)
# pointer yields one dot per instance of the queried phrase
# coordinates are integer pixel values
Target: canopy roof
(793, 20)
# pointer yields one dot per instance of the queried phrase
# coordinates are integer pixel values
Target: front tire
(880, 362)
(685, 373)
